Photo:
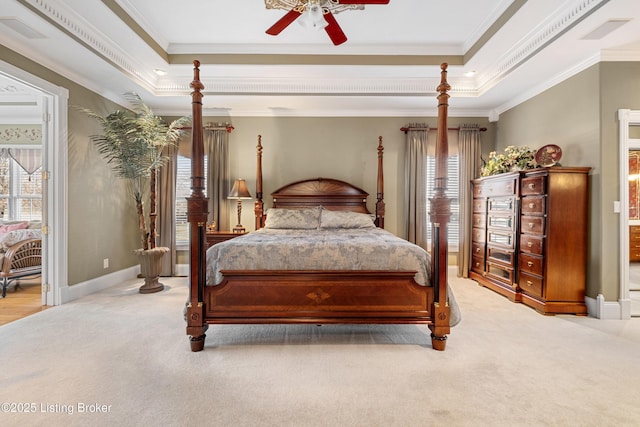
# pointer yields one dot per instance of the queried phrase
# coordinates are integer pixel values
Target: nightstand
(214, 237)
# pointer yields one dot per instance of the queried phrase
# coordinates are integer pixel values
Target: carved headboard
(331, 193)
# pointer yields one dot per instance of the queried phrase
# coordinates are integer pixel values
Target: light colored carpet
(505, 365)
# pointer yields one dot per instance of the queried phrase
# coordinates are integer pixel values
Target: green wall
(101, 216)
(297, 148)
(580, 115)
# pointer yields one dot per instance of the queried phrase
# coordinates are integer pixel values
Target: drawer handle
(531, 205)
(477, 250)
(529, 263)
(529, 283)
(531, 225)
(477, 264)
(530, 244)
(531, 186)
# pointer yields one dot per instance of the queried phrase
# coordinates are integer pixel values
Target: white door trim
(55, 143)
(626, 118)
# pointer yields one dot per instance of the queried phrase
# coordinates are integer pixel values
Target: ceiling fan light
(313, 17)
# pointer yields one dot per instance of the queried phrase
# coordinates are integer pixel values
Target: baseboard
(79, 290)
(608, 310)
(182, 269)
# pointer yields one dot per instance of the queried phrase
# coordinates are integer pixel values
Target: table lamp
(239, 192)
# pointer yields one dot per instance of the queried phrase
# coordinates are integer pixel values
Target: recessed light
(470, 74)
(160, 72)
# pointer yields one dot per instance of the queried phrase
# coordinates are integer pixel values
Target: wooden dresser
(634, 243)
(536, 253)
(494, 233)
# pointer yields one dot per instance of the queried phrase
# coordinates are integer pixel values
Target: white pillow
(345, 219)
(300, 219)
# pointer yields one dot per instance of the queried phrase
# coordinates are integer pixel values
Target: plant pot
(150, 268)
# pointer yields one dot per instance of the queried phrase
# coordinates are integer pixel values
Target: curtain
(415, 184)
(218, 176)
(166, 184)
(470, 163)
(29, 159)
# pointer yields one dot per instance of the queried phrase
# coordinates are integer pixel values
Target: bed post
(258, 205)
(197, 212)
(439, 216)
(380, 187)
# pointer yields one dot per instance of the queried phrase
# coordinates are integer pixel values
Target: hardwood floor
(21, 302)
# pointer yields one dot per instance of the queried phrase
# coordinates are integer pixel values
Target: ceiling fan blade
(334, 31)
(283, 22)
(364, 2)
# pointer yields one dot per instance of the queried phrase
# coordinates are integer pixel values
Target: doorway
(52, 111)
(629, 213)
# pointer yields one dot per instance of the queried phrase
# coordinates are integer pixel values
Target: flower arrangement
(513, 159)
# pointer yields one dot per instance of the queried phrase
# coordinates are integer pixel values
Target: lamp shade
(239, 190)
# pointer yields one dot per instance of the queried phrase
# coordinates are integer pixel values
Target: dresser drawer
(477, 250)
(533, 205)
(504, 187)
(532, 244)
(503, 205)
(500, 273)
(634, 255)
(500, 238)
(533, 186)
(501, 256)
(633, 237)
(480, 205)
(504, 222)
(477, 264)
(634, 229)
(530, 284)
(530, 264)
(479, 220)
(532, 224)
(478, 235)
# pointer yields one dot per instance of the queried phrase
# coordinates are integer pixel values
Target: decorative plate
(548, 155)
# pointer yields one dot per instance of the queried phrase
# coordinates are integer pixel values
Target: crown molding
(300, 86)
(568, 15)
(69, 22)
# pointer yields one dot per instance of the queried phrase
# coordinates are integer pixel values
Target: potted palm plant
(133, 143)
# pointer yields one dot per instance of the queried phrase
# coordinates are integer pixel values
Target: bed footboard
(317, 297)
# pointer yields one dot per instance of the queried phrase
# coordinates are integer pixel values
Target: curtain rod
(407, 129)
(210, 127)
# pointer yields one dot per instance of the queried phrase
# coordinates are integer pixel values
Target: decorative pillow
(301, 219)
(5, 228)
(11, 238)
(345, 219)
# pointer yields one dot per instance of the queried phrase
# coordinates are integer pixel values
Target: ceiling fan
(316, 14)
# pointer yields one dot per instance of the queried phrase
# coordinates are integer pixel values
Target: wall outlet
(105, 263)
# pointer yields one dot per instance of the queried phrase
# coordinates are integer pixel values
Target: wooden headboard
(331, 193)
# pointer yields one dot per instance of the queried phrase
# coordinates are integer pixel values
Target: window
(453, 230)
(183, 190)
(20, 193)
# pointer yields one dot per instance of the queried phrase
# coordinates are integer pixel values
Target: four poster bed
(325, 276)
